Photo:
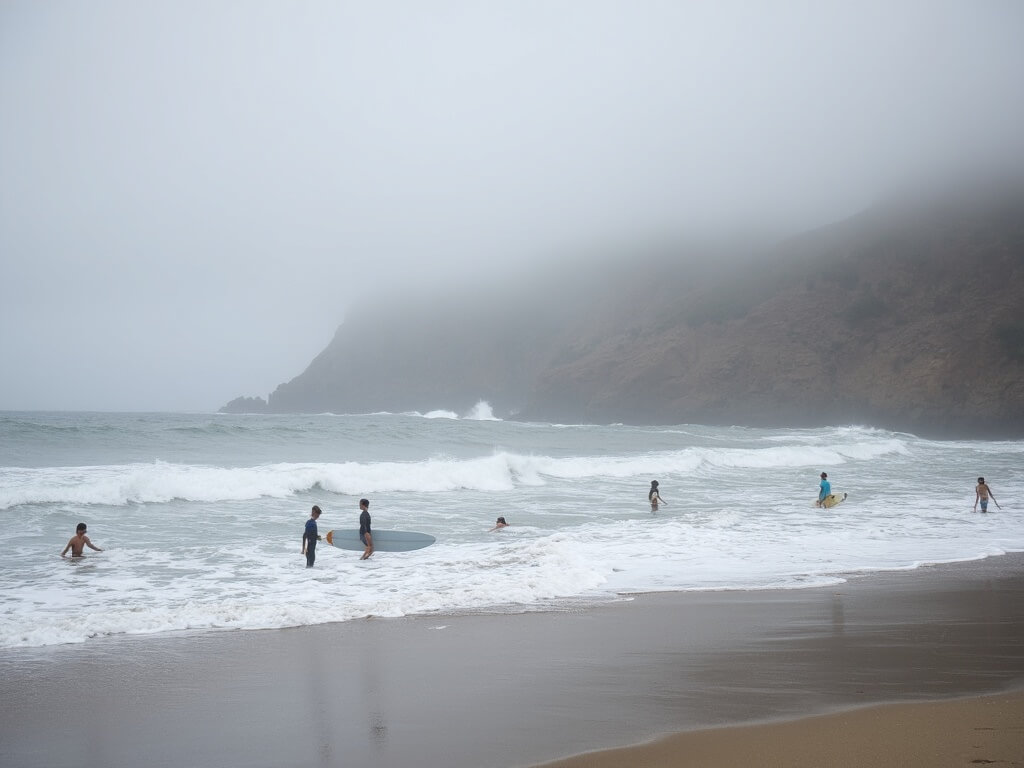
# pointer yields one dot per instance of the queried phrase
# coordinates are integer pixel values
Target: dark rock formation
(246, 405)
(911, 319)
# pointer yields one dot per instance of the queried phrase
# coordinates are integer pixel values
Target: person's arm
(91, 545)
(62, 554)
(977, 495)
(993, 497)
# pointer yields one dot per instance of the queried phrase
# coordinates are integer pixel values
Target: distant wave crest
(159, 481)
(482, 411)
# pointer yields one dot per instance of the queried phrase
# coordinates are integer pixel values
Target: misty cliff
(909, 315)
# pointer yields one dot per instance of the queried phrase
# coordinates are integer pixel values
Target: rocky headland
(908, 316)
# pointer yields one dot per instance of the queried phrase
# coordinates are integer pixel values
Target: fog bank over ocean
(194, 197)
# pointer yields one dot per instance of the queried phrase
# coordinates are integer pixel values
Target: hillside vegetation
(908, 316)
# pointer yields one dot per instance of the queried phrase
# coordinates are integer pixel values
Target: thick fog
(193, 194)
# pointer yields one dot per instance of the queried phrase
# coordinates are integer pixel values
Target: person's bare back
(982, 494)
(79, 542)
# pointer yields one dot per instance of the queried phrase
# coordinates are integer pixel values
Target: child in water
(79, 542)
(654, 497)
(500, 523)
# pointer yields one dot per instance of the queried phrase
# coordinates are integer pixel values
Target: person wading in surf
(310, 537)
(824, 489)
(365, 535)
(79, 542)
(654, 496)
(983, 493)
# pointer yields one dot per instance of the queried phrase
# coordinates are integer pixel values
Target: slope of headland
(909, 316)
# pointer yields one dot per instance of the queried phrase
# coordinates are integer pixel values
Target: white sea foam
(439, 415)
(161, 482)
(213, 545)
(482, 412)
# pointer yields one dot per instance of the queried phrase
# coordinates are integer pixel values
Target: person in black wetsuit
(310, 537)
(365, 534)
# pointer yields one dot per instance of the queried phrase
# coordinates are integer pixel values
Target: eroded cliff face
(908, 317)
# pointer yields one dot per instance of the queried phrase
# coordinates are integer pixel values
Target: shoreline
(920, 734)
(508, 690)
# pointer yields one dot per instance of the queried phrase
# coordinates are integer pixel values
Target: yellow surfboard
(832, 499)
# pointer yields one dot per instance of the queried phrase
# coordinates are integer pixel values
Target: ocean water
(201, 515)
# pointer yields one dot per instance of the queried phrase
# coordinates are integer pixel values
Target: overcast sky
(192, 193)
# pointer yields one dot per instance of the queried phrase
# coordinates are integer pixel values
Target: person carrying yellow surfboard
(825, 489)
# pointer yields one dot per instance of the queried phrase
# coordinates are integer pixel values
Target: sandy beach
(518, 690)
(960, 732)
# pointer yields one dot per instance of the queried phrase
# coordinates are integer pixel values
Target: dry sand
(961, 733)
(514, 690)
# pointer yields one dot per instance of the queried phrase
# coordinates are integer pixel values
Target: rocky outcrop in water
(246, 405)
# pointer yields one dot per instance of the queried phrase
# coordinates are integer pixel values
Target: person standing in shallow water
(654, 496)
(310, 537)
(983, 493)
(365, 534)
(824, 489)
(79, 542)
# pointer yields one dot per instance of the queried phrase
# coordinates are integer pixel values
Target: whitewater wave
(482, 411)
(438, 415)
(160, 482)
(447, 579)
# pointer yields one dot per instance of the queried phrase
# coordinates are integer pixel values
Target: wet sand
(517, 690)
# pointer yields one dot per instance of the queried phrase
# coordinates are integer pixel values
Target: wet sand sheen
(515, 690)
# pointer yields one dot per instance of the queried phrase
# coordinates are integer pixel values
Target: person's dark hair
(981, 480)
(364, 501)
(824, 474)
(316, 510)
(502, 520)
(654, 483)
(81, 527)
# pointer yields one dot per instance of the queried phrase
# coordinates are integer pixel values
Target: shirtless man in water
(983, 493)
(79, 542)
